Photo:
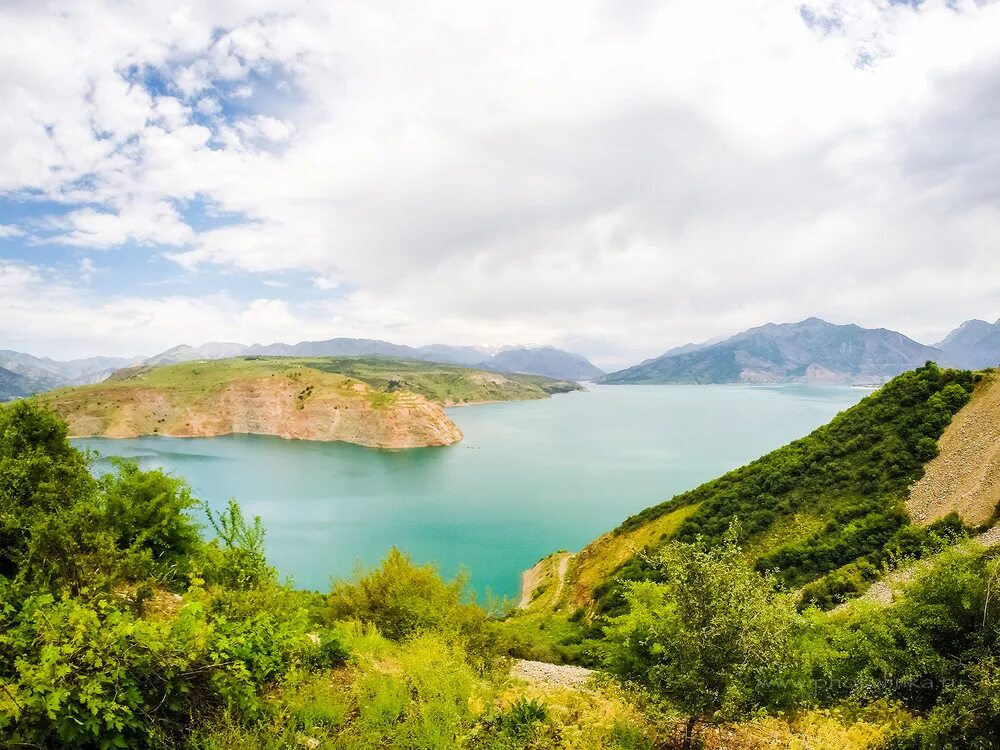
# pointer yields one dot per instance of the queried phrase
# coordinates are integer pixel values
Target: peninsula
(371, 401)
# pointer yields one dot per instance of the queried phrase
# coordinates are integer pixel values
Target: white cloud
(87, 270)
(325, 283)
(42, 313)
(15, 276)
(619, 177)
(208, 106)
(261, 126)
(144, 223)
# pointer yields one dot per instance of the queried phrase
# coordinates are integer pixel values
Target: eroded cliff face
(305, 406)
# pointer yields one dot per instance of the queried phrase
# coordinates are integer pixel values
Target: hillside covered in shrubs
(828, 509)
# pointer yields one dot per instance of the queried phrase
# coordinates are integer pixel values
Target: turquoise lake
(530, 478)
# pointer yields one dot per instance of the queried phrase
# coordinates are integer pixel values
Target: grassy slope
(184, 384)
(809, 508)
(446, 384)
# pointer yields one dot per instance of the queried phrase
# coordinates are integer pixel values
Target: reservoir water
(530, 477)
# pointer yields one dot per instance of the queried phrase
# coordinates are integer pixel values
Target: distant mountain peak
(811, 350)
(974, 344)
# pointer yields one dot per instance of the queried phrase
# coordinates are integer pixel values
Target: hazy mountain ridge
(13, 385)
(43, 374)
(974, 344)
(542, 360)
(810, 351)
(27, 374)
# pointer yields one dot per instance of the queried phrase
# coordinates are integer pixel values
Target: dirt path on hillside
(551, 675)
(965, 476)
(535, 576)
(561, 576)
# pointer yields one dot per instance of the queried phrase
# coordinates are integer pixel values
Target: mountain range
(23, 374)
(810, 351)
(535, 360)
(813, 351)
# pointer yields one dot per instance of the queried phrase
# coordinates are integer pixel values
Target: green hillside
(446, 384)
(827, 510)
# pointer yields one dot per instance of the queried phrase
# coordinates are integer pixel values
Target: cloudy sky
(610, 176)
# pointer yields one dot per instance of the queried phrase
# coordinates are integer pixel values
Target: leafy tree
(714, 638)
(40, 474)
(149, 510)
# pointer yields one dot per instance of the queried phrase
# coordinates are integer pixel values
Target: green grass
(447, 384)
(554, 637)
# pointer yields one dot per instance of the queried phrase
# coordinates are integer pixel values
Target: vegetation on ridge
(831, 499)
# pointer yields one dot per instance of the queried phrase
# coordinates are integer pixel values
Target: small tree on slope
(714, 638)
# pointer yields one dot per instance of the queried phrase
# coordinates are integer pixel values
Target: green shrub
(81, 560)
(402, 599)
(839, 586)
(148, 515)
(919, 650)
(967, 714)
(41, 474)
(60, 529)
(93, 674)
(423, 703)
(236, 558)
(517, 726)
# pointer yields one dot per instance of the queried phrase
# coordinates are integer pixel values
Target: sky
(614, 177)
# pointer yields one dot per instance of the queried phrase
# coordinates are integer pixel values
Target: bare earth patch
(965, 476)
(551, 675)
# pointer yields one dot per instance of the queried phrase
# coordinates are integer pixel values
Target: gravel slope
(965, 476)
(551, 675)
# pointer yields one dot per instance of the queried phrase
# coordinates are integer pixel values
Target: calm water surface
(529, 478)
